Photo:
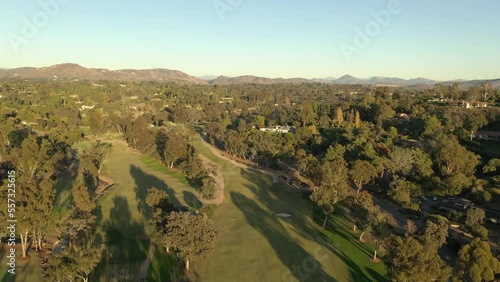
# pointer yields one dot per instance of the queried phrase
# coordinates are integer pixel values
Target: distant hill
(250, 79)
(208, 77)
(74, 71)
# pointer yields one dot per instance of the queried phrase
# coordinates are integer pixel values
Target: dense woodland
(350, 141)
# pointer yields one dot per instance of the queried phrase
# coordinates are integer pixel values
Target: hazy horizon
(406, 39)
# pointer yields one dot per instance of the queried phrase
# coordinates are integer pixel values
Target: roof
(488, 133)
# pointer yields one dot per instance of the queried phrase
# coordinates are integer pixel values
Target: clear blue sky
(439, 39)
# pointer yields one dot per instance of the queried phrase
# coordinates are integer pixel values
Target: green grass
(158, 166)
(355, 254)
(25, 270)
(123, 213)
(255, 245)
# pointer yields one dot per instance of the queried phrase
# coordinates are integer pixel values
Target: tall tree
(333, 186)
(157, 200)
(175, 148)
(339, 115)
(193, 235)
(361, 173)
(408, 260)
(477, 262)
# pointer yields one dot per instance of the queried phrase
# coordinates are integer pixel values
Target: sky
(442, 40)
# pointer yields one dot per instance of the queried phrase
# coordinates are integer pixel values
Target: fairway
(122, 213)
(255, 245)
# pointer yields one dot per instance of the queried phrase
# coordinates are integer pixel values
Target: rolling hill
(74, 71)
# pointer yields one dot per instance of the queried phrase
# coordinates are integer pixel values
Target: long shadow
(191, 200)
(63, 184)
(275, 198)
(291, 254)
(376, 275)
(356, 273)
(144, 182)
(124, 242)
(340, 228)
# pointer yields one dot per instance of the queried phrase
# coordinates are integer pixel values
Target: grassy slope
(256, 246)
(123, 213)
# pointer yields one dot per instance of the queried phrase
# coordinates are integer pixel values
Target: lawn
(123, 213)
(255, 245)
(25, 270)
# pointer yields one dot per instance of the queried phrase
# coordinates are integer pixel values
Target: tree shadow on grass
(144, 182)
(125, 243)
(335, 225)
(279, 200)
(301, 264)
(191, 200)
(377, 275)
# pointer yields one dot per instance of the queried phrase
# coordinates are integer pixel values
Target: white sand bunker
(282, 214)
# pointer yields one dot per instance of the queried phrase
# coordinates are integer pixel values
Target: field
(254, 244)
(257, 246)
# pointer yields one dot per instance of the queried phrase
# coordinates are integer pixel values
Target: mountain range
(74, 71)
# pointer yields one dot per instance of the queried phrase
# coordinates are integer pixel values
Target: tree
(410, 228)
(361, 173)
(339, 115)
(82, 199)
(474, 219)
(454, 158)
(333, 186)
(77, 261)
(208, 188)
(175, 148)
(383, 112)
(486, 91)
(474, 120)
(357, 120)
(366, 214)
(436, 232)
(474, 216)
(492, 166)
(409, 260)
(477, 262)
(96, 122)
(157, 200)
(193, 235)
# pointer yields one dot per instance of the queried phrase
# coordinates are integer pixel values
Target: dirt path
(214, 171)
(291, 174)
(145, 266)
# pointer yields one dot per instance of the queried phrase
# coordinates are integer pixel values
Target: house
(472, 104)
(278, 128)
(226, 100)
(28, 123)
(462, 203)
(84, 107)
(401, 116)
(492, 135)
